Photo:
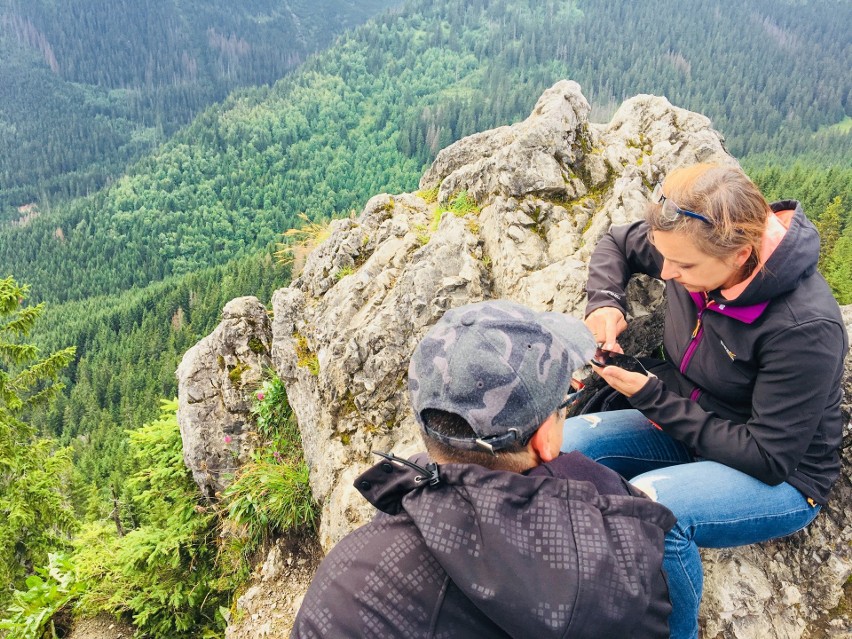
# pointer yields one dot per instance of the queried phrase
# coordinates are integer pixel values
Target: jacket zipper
(697, 334)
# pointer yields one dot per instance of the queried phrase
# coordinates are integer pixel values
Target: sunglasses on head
(671, 210)
(609, 358)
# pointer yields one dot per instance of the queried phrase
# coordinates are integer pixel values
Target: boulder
(215, 379)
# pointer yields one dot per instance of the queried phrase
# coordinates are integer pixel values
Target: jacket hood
(794, 259)
(540, 556)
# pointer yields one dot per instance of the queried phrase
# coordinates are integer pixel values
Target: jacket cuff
(648, 395)
(593, 305)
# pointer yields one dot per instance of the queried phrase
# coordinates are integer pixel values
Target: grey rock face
(214, 379)
(544, 144)
(546, 189)
(343, 353)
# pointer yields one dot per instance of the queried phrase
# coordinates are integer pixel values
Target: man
(495, 534)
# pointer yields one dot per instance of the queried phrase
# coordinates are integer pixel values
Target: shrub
(33, 612)
(175, 574)
(165, 572)
(271, 494)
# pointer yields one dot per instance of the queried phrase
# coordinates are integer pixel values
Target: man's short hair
(512, 457)
(499, 366)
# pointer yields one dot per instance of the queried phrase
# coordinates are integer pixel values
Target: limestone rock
(546, 190)
(549, 140)
(343, 354)
(215, 378)
(266, 608)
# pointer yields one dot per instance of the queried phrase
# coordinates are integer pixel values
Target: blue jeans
(716, 506)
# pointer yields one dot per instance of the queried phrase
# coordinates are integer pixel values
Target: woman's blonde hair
(734, 206)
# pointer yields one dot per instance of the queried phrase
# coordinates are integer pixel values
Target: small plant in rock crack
(273, 415)
(269, 496)
(271, 493)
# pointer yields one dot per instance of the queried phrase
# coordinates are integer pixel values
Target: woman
(738, 431)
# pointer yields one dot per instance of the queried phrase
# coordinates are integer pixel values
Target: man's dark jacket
(757, 384)
(490, 554)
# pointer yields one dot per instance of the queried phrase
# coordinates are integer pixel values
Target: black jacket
(491, 554)
(758, 388)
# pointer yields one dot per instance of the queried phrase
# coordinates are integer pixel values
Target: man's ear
(543, 441)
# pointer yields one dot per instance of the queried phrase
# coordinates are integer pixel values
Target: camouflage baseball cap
(501, 366)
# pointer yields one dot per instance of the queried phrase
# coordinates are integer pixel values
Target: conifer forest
(153, 153)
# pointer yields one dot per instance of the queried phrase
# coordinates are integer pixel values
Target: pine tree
(838, 268)
(35, 516)
(829, 226)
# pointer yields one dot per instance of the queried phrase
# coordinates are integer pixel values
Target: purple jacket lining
(746, 314)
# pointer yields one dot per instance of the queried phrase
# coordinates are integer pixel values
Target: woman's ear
(742, 255)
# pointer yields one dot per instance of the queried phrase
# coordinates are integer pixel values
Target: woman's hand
(625, 382)
(606, 324)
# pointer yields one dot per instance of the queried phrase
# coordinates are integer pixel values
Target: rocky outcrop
(343, 350)
(518, 211)
(214, 380)
(545, 191)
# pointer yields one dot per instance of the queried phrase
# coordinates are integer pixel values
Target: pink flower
(260, 396)
(227, 439)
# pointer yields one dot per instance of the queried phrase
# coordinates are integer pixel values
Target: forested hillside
(66, 462)
(137, 272)
(87, 85)
(359, 120)
(367, 115)
(127, 349)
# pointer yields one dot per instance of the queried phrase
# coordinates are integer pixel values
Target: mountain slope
(90, 84)
(366, 116)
